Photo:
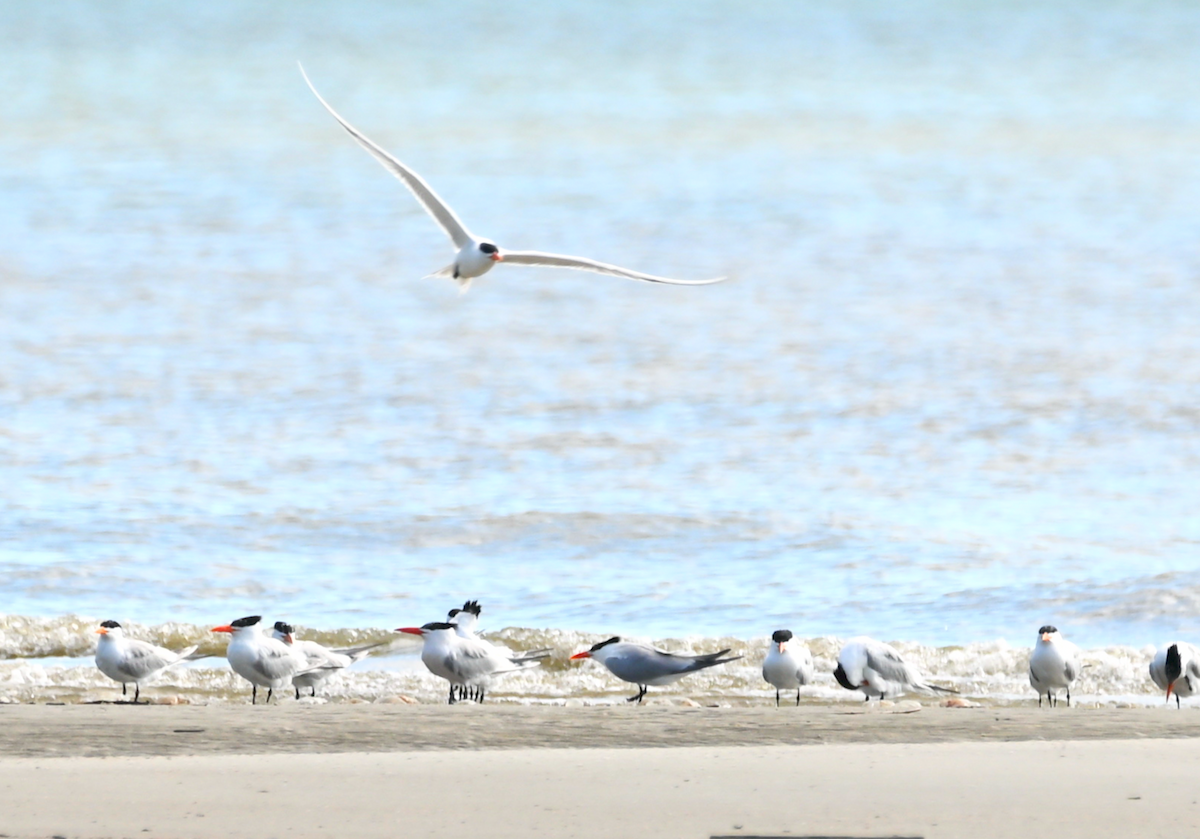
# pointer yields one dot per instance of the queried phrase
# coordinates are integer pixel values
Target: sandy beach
(366, 771)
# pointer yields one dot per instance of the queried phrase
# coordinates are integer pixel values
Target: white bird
(1053, 665)
(1176, 668)
(787, 665)
(468, 664)
(322, 661)
(464, 621)
(877, 669)
(476, 256)
(129, 660)
(643, 665)
(262, 661)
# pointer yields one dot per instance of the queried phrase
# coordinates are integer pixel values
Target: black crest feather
(781, 635)
(250, 621)
(613, 640)
(111, 625)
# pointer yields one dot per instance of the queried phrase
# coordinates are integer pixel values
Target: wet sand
(386, 771)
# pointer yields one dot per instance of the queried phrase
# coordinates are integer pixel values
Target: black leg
(776, 697)
(1068, 697)
(123, 691)
(297, 692)
(1039, 699)
(866, 698)
(1176, 700)
(253, 694)
(452, 687)
(479, 693)
(270, 693)
(314, 691)
(137, 692)
(797, 697)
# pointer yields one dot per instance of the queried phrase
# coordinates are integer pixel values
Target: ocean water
(948, 394)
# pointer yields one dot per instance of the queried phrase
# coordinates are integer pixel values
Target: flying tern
(468, 664)
(643, 665)
(262, 661)
(877, 669)
(1053, 665)
(476, 255)
(322, 662)
(127, 660)
(788, 665)
(1176, 669)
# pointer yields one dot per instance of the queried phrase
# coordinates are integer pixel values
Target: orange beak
(781, 643)
(584, 654)
(411, 630)
(1045, 636)
(225, 628)
(1169, 688)
(102, 631)
(496, 257)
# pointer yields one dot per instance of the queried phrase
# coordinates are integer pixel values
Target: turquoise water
(948, 395)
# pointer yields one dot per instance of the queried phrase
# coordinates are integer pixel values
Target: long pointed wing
(429, 199)
(581, 263)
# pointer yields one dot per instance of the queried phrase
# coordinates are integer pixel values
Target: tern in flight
(476, 256)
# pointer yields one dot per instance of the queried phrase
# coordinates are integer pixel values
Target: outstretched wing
(429, 199)
(580, 263)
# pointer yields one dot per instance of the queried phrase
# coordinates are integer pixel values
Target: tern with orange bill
(788, 664)
(128, 660)
(468, 664)
(644, 666)
(1053, 666)
(475, 256)
(263, 662)
(1176, 669)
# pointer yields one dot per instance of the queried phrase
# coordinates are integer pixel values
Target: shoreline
(41, 731)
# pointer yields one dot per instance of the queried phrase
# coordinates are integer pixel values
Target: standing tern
(322, 662)
(1053, 665)
(468, 664)
(1176, 668)
(464, 621)
(643, 665)
(476, 256)
(262, 661)
(877, 669)
(787, 665)
(129, 660)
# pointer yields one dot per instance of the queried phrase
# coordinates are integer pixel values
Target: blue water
(948, 395)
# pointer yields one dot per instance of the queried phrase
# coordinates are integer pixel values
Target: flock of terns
(452, 650)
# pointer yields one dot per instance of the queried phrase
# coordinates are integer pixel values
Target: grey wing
(429, 199)
(1070, 669)
(888, 664)
(581, 263)
(142, 659)
(275, 664)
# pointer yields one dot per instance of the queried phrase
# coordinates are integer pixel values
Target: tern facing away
(468, 664)
(1053, 665)
(1176, 668)
(476, 256)
(262, 661)
(464, 621)
(129, 660)
(643, 665)
(877, 669)
(322, 661)
(788, 665)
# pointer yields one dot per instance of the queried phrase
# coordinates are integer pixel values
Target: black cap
(613, 640)
(285, 628)
(250, 621)
(111, 625)
(437, 625)
(1047, 628)
(781, 635)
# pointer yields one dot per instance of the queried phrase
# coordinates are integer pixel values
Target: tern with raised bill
(127, 660)
(465, 620)
(878, 669)
(476, 256)
(1176, 669)
(1053, 666)
(643, 665)
(788, 664)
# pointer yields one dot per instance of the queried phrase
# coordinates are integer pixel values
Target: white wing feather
(429, 199)
(580, 263)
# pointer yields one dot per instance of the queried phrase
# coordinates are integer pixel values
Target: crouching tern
(476, 255)
(877, 669)
(322, 662)
(127, 660)
(643, 665)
